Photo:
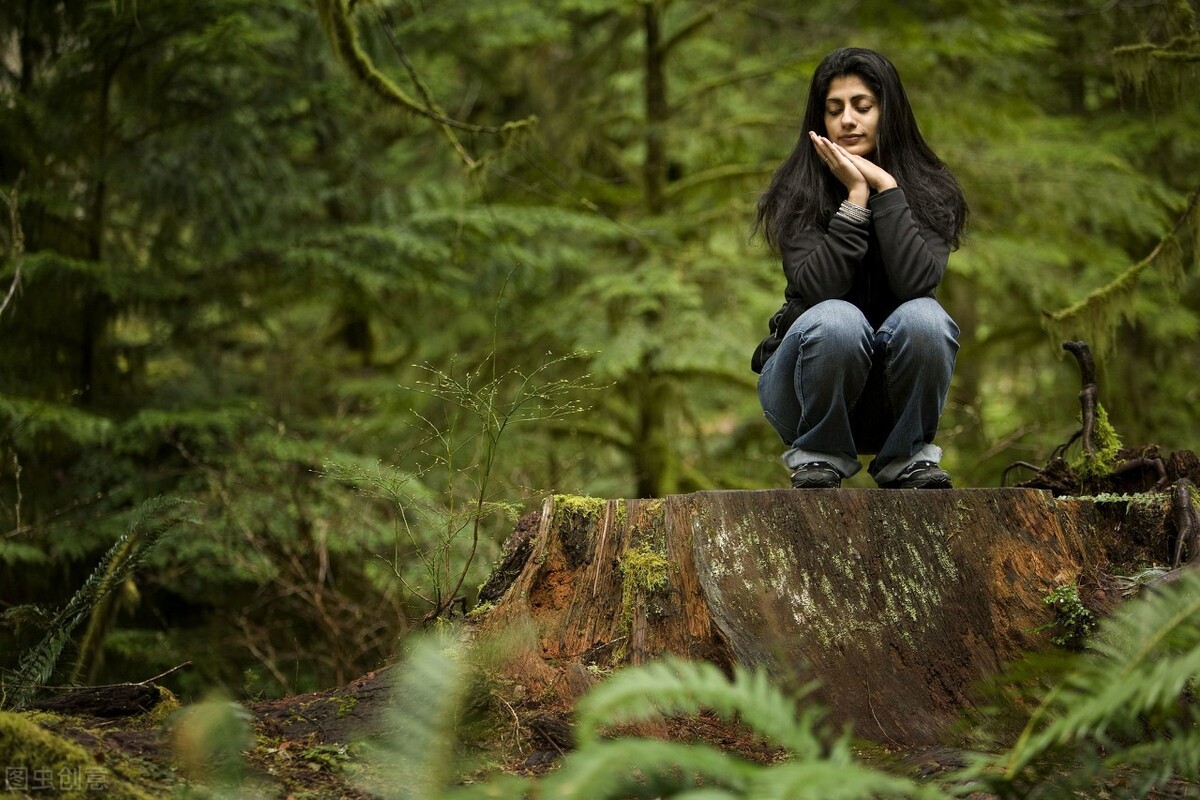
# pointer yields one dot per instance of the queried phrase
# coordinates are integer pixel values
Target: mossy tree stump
(897, 602)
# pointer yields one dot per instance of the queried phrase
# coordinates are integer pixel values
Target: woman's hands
(859, 175)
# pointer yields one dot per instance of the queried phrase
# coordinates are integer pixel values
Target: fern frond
(154, 519)
(622, 768)
(1156, 763)
(1143, 661)
(824, 780)
(417, 759)
(677, 686)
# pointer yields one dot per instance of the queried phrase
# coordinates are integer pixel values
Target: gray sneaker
(920, 475)
(816, 475)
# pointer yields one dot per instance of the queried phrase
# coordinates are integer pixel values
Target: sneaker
(816, 475)
(920, 475)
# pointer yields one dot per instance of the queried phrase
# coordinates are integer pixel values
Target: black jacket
(876, 266)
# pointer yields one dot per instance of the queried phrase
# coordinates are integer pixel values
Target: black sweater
(876, 266)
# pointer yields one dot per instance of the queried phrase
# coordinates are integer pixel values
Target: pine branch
(426, 96)
(716, 174)
(690, 27)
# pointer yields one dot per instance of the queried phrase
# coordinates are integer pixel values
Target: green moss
(578, 505)
(622, 514)
(167, 705)
(576, 519)
(46, 762)
(1106, 443)
(654, 507)
(480, 609)
(642, 569)
(345, 704)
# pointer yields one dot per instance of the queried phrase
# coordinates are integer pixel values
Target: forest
(304, 303)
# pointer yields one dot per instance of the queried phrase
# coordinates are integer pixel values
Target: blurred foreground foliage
(1119, 720)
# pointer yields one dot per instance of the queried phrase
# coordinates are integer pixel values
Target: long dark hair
(803, 193)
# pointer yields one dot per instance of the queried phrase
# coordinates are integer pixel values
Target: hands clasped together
(859, 175)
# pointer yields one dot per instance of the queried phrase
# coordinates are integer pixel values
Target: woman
(864, 215)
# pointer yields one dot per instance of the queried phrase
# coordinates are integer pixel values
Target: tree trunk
(651, 450)
(898, 602)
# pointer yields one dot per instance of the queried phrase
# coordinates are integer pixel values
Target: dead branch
(18, 245)
(1154, 462)
(1087, 394)
(1187, 522)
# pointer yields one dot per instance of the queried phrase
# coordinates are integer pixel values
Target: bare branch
(335, 16)
(17, 248)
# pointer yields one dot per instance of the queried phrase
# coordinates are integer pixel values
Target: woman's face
(852, 115)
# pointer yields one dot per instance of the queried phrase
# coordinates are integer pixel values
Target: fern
(649, 768)
(154, 519)
(416, 759)
(1155, 763)
(826, 780)
(676, 686)
(1125, 704)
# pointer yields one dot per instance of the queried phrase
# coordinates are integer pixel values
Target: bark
(105, 702)
(898, 602)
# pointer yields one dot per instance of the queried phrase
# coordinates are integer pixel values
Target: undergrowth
(154, 519)
(1118, 719)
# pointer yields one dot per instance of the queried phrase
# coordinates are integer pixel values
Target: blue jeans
(836, 388)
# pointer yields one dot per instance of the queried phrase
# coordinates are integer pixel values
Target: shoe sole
(934, 483)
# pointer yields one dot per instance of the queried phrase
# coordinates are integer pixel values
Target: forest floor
(319, 746)
(135, 741)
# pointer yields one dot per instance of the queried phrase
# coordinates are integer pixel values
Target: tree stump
(898, 602)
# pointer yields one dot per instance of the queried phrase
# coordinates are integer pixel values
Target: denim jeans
(836, 388)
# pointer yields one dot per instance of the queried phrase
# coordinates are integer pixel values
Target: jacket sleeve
(820, 264)
(913, 257)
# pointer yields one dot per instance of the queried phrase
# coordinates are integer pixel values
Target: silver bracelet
(854, 212)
